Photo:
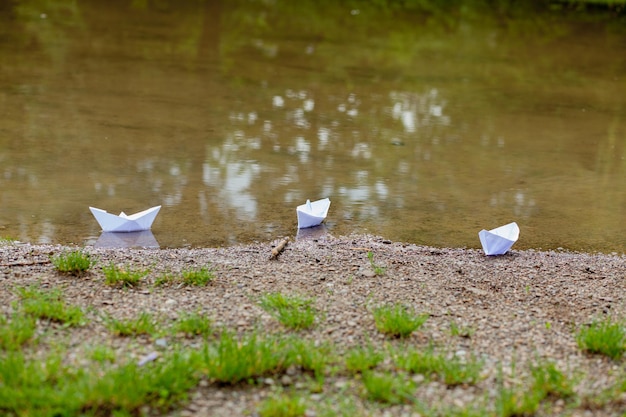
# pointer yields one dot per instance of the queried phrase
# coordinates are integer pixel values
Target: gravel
(518, 308)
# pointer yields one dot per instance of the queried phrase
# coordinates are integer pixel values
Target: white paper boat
(499, 240)
(142, 239)
(312, 213)
(125, 223)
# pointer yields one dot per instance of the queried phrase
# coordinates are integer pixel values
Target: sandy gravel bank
(516, 308)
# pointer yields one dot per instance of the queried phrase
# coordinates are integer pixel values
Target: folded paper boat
(499, 240)
(312, 213)
(125, 223)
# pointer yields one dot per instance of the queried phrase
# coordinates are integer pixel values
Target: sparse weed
(450, 369)
(166, 278)
(126, 277)
(7, 240)
(294, 312)
(397, 321)
(102, 354)
(361, 359)
(387, 388)
(461, 331)
(73, 263)
(378, 270)
(142, 324)
(550, 381)
(49, 305)
(193, 324)
(604, 337)
(16, 332)
(309, 357)
(283, 405)
(513, 400)
(198, 277)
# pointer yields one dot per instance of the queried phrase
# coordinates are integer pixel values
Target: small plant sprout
(398, 321)
(197, 277)
(378, 270)
(125, 277)
(293, 311)
(73, 263)
(461, 331)
(604, 337)
(283, 405)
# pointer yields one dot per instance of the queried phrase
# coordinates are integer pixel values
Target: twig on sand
(279, 248)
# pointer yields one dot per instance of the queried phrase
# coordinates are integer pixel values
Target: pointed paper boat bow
(125, 223)
(499, 240)
(312, 213)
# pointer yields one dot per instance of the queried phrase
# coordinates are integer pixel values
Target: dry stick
(279, 248)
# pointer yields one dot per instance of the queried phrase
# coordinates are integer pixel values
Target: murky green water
(423, 129)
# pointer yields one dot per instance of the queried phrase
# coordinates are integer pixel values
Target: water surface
(424, 128)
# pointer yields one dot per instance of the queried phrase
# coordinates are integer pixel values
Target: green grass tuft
(604, 337)
(231, 360)
(197, 277)
(73, 263)
(283, 405)
(142, 324)
(361, 359)
(294, 312)
(387, 388)
(450, 369)
(398, 321)
(125, 277)
(193, 324)
(49, 305)
(16, 332)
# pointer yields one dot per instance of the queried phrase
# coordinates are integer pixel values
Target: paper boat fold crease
(312, 213)
(124, 222)
(499, 240)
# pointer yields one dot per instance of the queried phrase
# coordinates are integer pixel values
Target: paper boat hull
(313, 214)
(499, 240)
(123, 223)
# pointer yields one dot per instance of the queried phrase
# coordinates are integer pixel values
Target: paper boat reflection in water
(141, 239)
(312, 233)
(499, 240)
(312, 213)
(125, 223)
